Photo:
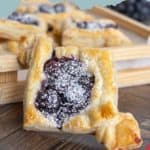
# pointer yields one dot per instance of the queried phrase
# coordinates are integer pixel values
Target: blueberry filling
(23, 18)
(94, 25)
(57, 8)
(66, 90)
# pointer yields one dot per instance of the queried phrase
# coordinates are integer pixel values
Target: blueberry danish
(74, 90)
(28, 19)
(93, 33)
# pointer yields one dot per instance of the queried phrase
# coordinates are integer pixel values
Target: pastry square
(74, 90)
(19, 39)
(93, 33)
(69, 97)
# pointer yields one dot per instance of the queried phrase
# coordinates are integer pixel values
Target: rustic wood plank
(10, 119)
(133, 77)
(8, 76)
(8, 62)
(140, 91)
(130, 53)
(123, 21)
(12, 134)
(137, 105)
(36, 140)
(11, 92)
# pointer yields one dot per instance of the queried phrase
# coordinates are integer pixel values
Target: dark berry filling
(66, 90)
(94, 25)
(57, 8)
(23, 18)
(136, 9)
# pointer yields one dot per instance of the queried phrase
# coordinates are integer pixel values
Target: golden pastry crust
(104, 93)
(31, 6)
(19, 39)
(107, 37)
(122, 132)
(116, 130)
(56, 21)
(41, 23)
(33, 119)
(13, 30)
(23, 48)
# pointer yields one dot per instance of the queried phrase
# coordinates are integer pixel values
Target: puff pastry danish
(74, 90)
(28, 19)
(19, 38)
(56, 14)
(95, 33)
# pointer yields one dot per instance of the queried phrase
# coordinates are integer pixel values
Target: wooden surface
(6, 77)
(12, 137)
(8, 61)
(11, 92)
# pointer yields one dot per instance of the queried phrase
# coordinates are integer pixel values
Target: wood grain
(11, 92)
(133, 77)
(6, 77)
(130, 53)
(8, 62)
(13, 137)
(123, 21)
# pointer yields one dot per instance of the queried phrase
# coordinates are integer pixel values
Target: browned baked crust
(105, 37)
(116, 130)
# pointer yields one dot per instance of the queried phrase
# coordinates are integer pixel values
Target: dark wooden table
(12, 137)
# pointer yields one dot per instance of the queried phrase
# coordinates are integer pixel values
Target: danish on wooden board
(74, 90)
(93, 33)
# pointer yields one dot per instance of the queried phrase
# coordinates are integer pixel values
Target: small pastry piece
(56, 14)
(13, 30)
(14, 34)
(95, 33)
(120, 133)
(32, 20)
(29, 19)
(19, 39)
(74, 90)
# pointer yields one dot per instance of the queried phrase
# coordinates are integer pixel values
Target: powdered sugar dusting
(24, 18)
(67, 89)
(94, 25)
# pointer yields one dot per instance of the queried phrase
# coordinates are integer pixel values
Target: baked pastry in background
(19, 39)
(31, 6)
(93, 33)
(55, 14)
(29, 19)
(74, 90)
